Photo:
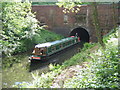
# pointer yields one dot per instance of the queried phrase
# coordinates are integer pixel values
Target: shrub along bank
(21, 31)
(95, 68)
(20, 28)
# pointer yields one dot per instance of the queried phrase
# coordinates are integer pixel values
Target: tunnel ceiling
(82, 33)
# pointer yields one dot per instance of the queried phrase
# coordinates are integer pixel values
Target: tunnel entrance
(82, 33)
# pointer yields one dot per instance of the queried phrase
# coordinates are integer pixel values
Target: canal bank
(22, 70)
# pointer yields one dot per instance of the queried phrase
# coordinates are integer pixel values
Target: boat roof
(48, 44)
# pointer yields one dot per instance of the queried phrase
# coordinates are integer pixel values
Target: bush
(101, 72)
(103, 69)
(46, 36)
(20, 28)
(18, 24)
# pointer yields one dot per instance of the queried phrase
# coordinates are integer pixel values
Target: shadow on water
(57, 58)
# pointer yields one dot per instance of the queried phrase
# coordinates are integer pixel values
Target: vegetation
(43, 3)
(20, 28)
(18, 25)
(98, 67)
(70, 6)
(20, 32)
(100, 71)
(97, 24)
(42, 37)
(103, 69)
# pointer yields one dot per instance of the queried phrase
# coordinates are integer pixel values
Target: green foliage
(10, 61)
(69, 6)
(80, 57)
(100, 72)
(88, 46)
(43, 81)
(20, 28)
(46, 36)
(18, 24)
(43, 3)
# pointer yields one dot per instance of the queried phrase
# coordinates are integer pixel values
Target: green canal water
(15, 71)
(18, 68)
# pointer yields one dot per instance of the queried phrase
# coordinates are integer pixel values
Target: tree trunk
(97, 24)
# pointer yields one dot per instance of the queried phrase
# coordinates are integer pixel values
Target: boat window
(61, 45)
(64, 44)
(37, 50)
(49, 50)
(33, 51)
(41, 52)
(53, 48)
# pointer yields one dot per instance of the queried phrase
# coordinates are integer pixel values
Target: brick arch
(82, 33)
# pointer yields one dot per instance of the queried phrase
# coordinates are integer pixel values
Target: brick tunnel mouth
(82, 33)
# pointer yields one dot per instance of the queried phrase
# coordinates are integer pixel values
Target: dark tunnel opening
(82, 33)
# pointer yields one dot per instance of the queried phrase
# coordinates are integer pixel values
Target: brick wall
(62, 23)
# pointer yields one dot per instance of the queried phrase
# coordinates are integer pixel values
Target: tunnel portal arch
(82, 33)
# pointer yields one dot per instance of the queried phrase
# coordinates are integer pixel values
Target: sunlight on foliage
(18, 24)
(103, 70)
(100, 72)
(69, 5)
(21, 30)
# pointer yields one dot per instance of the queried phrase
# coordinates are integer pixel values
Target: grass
(42, 37)
(100, 72)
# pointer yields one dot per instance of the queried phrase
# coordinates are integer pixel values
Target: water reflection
(56, 58)
(22, 70)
